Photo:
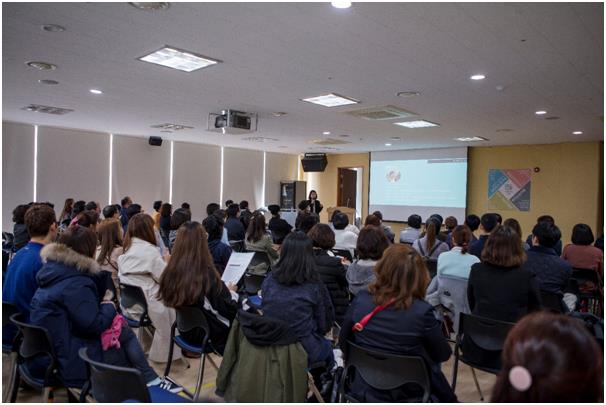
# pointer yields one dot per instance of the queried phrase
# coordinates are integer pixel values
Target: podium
(350, 212)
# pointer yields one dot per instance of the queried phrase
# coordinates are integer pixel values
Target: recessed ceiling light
(96, 91)
(326, 133)
(178, 59)
(471, 139)
(41, 65)
(387, 144)
(171, 127)
(153, 6)
(478, 77)
(541, 112)
(341, 4)
(577, 133)
(47, 109)
(417, 124)
(48, 81)
(53, 28)
(278, 113)
(331, 100)
(408, 94)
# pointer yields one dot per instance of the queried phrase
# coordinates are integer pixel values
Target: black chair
(130, 296)
(188, 319)
(259, 258)
(8, 310)
(553, 302)
(383, 371)
(252, 283)
(35, 345)
(588, 301)
(488, 335)
(343, 253)
(432, 267)
(109, 383)
(238, 246)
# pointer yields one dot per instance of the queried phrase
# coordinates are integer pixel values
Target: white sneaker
(170, 386)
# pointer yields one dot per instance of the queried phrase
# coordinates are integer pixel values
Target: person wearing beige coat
(142, 265)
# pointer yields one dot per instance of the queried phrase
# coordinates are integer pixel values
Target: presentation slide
(422, 182)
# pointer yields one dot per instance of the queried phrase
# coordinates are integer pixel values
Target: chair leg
(200, 377)
(475, 379)
(15, 387)
(46, 393)
(212, 362)
(312, 387)
(11, 377)
(455, 369)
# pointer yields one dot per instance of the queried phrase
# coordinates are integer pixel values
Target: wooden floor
(184, 372)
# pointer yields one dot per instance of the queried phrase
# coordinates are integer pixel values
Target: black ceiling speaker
(155, 141)
(314, 162)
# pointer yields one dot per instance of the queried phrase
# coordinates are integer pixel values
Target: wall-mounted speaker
(155, 141)
(314, 162)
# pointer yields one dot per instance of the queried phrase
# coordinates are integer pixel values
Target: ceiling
(534, 55)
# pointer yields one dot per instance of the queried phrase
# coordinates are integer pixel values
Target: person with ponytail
(449, 287)
(430, 246)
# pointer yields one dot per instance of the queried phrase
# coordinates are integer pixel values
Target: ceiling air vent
(47, 109)
(171, 127)
(328, 141)
(259, 139)
(387, 112)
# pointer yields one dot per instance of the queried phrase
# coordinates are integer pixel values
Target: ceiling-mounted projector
(232, 122)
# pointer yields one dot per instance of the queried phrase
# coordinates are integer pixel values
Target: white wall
(74, 163)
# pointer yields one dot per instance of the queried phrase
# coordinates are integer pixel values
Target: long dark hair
(256, 227)
(190, 273)
(109, 233)
(560, 355)
(432, 227)
(140, 226)
(297, 264)
(67, 209)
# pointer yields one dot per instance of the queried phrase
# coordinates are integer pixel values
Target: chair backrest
(432, 266)
(252, 283)
(343, 253)
(131, 295)
(488, 334)
(189, 318)
(552, 301)
(115, 384)
(238, 245)
(385, 371)
(36, 339)
(258, 258)
(585, 275)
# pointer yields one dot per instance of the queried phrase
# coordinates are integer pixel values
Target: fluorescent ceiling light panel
(471, 139)
(417, 124)
(178, 59)
(331, 100)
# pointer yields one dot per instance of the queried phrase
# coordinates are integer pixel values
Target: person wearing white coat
(142, 265)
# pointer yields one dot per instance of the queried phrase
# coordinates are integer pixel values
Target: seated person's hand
(345, 262)
(232, 287)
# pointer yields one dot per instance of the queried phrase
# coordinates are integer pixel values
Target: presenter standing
(314, 205)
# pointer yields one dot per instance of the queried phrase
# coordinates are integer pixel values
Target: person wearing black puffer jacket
(331, 269)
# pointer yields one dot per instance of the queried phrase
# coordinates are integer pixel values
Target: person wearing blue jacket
(73, 302)
(20, 282)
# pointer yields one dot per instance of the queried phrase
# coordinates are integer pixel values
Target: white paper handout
(236, 267)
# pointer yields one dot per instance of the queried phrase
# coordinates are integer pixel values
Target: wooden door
(347, 188)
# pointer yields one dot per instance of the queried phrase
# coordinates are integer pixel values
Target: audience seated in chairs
(279, 227)
(449, 287)
(258, 240)
(20, 234)
(190, 279)
(166, 212)
(488, 223)
(110, 249)
(344, 238)
(515, 225)
(429, 246)
(473, 223)
(386, 228)
(549, 219)
(294, 294)
(550, 358)
(581, 255)
(20, 282)
(307, 221)
(370, 246)
(142, 265)
(330, 268)
(179, 217)
(350, 227)
(500, 287)
(413, 231)
(235, 230)
(392, 317)
(219, 250)
(551, 271)
(75, 306)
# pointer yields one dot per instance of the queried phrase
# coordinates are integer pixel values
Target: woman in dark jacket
(294, 294)
(166, 211)
(67, 303)
(331, 269)
(406, 326)
(499, 287)
(191, 279)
